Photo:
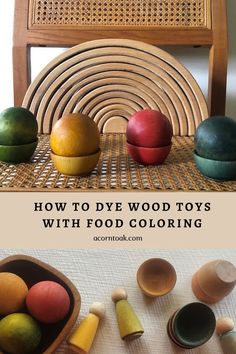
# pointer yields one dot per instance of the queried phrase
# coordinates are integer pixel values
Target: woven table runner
(115, 171)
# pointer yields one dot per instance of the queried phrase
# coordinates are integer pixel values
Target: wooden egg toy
(13, 292)
(215, 148)
(18, 135)
(75, 141)
(130, 327)
(156, 277)
(227, 337)
(214, 280)
(19, 334)
(149, 135)
(81, 340)
(48, 301)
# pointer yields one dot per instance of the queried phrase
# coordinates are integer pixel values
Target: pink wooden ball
(149, 128)
(48, 302)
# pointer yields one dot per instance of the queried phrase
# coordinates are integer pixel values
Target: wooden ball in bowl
(32, 271)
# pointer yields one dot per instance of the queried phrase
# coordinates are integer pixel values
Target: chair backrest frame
(211, 32)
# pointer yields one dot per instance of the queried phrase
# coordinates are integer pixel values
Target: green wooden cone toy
(129, 325)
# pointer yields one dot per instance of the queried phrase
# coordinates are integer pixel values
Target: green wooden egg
(18, 126)
(215, 139)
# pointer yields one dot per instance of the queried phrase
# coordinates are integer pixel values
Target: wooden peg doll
(129, 325)
(224, 329)
(82, 338)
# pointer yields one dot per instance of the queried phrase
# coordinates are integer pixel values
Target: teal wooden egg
(215, 139)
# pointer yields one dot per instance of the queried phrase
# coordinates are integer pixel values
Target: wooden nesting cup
(156, 277)
(214, 280)
(192, 325)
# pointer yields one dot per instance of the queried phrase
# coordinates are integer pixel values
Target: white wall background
(195, 59)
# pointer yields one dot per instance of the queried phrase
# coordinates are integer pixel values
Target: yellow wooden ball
(13, 291)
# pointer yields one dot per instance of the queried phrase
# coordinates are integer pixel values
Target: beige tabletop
(96, 273)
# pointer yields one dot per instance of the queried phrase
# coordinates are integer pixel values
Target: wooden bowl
(149, 155)
(156, 277)
(17, 153)
(193, 324)
(32, 271)
(218, 170)
(76, 166)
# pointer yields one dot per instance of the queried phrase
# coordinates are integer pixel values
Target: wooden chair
(64, 23)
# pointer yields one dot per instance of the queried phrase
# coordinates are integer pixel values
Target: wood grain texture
(218, 59)
(20, 52)
(116, 68)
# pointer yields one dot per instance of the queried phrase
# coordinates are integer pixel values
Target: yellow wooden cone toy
(82, 338)
(129, 325)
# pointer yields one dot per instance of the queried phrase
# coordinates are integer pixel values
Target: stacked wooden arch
(109, 80)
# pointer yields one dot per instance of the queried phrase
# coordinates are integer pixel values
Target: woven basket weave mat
(115, 171)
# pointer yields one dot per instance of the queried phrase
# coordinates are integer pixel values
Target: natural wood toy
(149, 134)
(82, 338)
(156, 277)
(215, 148)
(75, 143)
(13, 292)
(224, 329)
(129, 325)
(18, 135)
(213, 281)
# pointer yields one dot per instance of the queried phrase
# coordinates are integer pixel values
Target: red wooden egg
(149, 128)
(48, 302)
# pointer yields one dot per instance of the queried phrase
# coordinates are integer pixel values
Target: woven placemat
(115, 171)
